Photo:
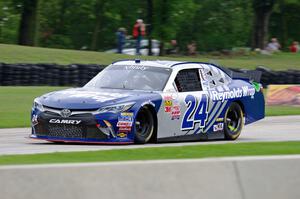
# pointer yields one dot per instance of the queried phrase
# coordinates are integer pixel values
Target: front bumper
(82, 128)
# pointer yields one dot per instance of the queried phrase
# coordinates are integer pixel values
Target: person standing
(139, 30)
(294, 47)
(121, 36)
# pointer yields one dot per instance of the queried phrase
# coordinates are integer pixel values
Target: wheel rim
(143, 124)
(233, 121)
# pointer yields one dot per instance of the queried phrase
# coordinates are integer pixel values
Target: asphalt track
(284, 128)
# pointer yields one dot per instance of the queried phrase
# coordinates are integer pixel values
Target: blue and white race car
(134, 101)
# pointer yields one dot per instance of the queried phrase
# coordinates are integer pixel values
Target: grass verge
(282, 110)
(25, 54)
(181, 152)
(16, 102)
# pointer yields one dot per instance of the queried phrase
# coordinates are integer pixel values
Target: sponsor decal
(283, 95)
(220, 119)
(175, 114)
(124, 124)
(136, 67)
(168, 109)
(168, 101)
(62, 121)
(122, 135)
(234, 93)
(125, 121)
(127, 114)
(218, 127)
(125, 129)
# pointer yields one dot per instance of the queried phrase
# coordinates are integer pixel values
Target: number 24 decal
(196, 112)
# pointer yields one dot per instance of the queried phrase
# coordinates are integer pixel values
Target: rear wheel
(233, 121)
(144, 126)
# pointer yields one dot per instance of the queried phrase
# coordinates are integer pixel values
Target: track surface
(285, 128)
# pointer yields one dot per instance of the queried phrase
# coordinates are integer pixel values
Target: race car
(135, 101)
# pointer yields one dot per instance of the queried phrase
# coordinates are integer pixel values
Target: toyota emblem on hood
(65, 113)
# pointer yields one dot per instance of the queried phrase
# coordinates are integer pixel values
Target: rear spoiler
(250, 75)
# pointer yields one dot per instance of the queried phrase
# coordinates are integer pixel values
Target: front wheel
(233, 121)
(144, 126)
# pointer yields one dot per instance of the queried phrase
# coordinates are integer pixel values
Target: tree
(99, 10)
(150, 22)
(262, 13)
(29, 23)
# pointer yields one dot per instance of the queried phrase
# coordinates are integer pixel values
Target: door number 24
(196, 112)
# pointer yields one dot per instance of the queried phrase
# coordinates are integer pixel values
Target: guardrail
(234, 178)
(79, 74)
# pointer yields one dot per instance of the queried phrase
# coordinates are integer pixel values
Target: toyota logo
(65, 113)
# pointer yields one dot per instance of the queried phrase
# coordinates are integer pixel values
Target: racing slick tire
(144, 126)
(233, 121)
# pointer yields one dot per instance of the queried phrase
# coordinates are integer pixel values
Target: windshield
(131, 77)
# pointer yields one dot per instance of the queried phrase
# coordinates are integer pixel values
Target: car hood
(91, 98)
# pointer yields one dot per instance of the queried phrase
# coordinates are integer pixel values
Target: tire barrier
(47, 74)
(290, 76)
(79, 74)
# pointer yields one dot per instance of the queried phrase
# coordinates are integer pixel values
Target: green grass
(16, 102)
(17, 54)
(182, 152)
(282, 110)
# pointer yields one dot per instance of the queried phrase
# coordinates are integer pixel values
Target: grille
(65, 131)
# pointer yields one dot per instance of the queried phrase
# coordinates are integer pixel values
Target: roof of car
(167, 64)
(157, 63)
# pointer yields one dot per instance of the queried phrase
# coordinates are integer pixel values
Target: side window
(188, 80)
(214, 77)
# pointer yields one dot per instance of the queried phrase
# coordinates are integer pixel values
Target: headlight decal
(115, 108)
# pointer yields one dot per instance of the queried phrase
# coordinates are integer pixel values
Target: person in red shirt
(139, 30)
(294, 47)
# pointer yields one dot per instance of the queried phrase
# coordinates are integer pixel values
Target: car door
(185, 109)
(194, 101)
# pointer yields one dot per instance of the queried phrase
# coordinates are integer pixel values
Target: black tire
(144, 126)
(233, 121)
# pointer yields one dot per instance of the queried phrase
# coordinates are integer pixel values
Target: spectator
(273, 46)
(173, 47)
(192, 48)
(294, 47)
(139, 30)
(121, 36)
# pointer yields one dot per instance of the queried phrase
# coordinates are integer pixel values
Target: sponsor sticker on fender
(125, 121)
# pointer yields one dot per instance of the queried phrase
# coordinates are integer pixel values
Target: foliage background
(212, 24)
